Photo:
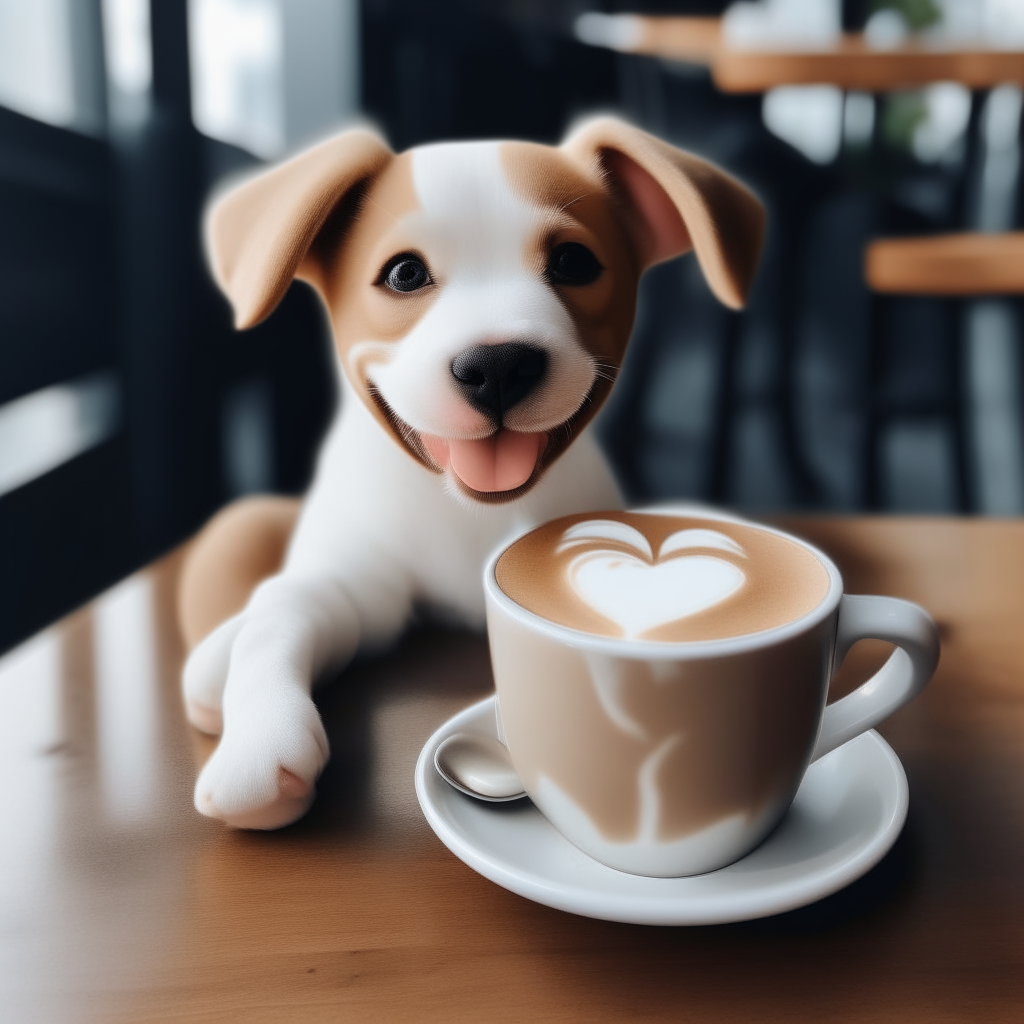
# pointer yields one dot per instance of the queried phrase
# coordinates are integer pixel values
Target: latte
(654, 752)
(661, 577)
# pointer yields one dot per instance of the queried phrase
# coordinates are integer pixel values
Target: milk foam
(638, 595)
(661, 577)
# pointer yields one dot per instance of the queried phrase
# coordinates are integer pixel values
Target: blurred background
(130, 410)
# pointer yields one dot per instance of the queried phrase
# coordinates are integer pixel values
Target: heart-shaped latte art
(639, 596)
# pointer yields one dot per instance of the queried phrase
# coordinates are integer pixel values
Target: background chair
(114, 336)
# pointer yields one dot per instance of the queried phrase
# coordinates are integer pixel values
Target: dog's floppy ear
(258, 233)
(677, 202)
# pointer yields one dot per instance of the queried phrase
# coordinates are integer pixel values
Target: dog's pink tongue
(501, 462)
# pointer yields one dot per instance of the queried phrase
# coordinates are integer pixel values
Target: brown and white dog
(481, 296)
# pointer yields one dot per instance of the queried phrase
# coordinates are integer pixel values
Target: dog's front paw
(263, 773)
(205, 675)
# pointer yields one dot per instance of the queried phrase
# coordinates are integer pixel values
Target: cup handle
(898, 681)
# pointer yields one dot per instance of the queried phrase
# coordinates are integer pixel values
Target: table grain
(118, 903)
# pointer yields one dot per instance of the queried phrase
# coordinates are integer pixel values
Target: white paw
(263, 773)
(204, 718)
(205, 675)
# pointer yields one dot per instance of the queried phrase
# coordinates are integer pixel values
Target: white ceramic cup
(671, 759)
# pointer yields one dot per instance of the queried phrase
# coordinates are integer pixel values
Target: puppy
(481, 297)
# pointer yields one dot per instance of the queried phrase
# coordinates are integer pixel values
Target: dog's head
(482, 294)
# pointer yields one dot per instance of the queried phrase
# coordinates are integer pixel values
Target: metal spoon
(478, 766)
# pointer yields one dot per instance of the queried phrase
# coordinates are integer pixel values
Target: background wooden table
(970, 263)
(119, 903)
(849, 63)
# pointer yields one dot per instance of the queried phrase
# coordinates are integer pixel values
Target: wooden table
(850, 63)
(970, 263)
(119, 904)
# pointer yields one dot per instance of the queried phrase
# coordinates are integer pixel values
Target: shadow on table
(378, 714)
(888, 883)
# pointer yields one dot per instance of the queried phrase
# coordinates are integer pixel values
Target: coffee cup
(662, 678)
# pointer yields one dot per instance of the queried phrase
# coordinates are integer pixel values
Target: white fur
(378, 532)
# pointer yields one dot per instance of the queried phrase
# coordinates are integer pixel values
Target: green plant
(917, 14)
(904, 111)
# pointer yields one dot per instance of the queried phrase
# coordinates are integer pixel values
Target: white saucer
(849, 811)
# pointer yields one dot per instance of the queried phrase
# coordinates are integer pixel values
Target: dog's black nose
(495, 377)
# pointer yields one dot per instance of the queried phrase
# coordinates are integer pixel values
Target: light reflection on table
(96, 821)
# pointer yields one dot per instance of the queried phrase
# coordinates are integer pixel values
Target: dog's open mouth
(501, 462)
(499, 468)
(492, 468)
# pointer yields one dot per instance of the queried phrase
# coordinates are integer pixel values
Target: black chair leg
(960, 402)
(873, 406)
(722, 438)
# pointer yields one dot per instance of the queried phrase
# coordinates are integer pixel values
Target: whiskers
(407, 433)
(573, 202)
(606, 371)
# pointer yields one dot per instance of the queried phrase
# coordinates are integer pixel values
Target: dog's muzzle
(493, 379)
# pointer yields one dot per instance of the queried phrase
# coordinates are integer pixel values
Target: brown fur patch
(344, 265)
(581, 209)
(238, 548)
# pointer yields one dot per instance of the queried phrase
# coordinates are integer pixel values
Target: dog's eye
(405, 273)
(573, 264)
